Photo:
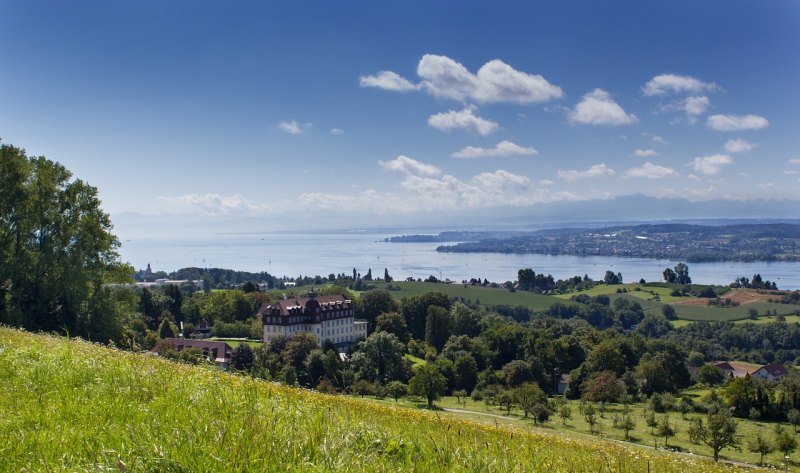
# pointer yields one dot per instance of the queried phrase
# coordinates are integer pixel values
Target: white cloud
(464, 119)
(695, 105)
(645, 153)
(790, 172)
(768, 185)
(738, 146)
(290, 126)
(666, 83)
(694, 177)
(598, 108)
(711, 165)
(336, 131)
(736, 122)
(214, 204)
(387, 80)
(659, 140)
(502, 149)
(597, 170)
(794, 161)
(495, 81)
(410, 166)
(650, 171)
(691, 106)
(546, 182)
(489, 189)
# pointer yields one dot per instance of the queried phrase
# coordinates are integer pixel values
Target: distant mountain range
(587, 213)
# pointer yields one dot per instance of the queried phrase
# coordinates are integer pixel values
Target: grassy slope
(82, 407)
(577, 427)
(486, 295)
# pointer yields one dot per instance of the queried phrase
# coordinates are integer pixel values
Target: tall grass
(68, 405)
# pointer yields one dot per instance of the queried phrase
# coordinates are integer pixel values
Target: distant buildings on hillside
(770, 372)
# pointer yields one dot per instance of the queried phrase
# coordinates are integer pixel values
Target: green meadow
(69, 405)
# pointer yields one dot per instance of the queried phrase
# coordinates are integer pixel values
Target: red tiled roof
(285, 305)
(775, 369)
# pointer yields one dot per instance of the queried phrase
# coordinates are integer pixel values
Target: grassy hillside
(73, 406)
(486, 295)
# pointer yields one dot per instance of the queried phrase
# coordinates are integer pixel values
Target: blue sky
(404, 110)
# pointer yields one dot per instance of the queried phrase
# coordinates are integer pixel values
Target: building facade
(325, 317)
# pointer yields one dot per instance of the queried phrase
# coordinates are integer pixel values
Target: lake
(310, 254)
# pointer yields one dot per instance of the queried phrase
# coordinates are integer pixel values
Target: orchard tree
(603, 387)
(719, 432)
(427, 382)
(760, 445)
(528, 396)
(785, 442)
(666, 430)
(396, 389)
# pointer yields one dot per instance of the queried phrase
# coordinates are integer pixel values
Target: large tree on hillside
(373, 303)
(56, 246)
(427, 382)
(380, 358)
(415, 310)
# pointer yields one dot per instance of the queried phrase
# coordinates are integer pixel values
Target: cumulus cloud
(711, 165)
(691, 106)
(736, 122)
(487, 189)
(387, 80)
(659, 140)
(671, 83)
(290, 126)
(597, 170)
(650, 171)
(336, 131)
(598, 108)
(794, 161)
(410, 166)
(695, 105)
(214, 204)
(494, 82)
(738, 146)
(502, 149)
(645, 153)
(464, 119)
(790, 172)
(694, 177)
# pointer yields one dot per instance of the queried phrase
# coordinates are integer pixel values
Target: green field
(234, 342)
(486, 295)
(75, 406)
(715, 314)
(645, 296)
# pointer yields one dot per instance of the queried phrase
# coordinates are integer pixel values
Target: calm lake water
(310, 254)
